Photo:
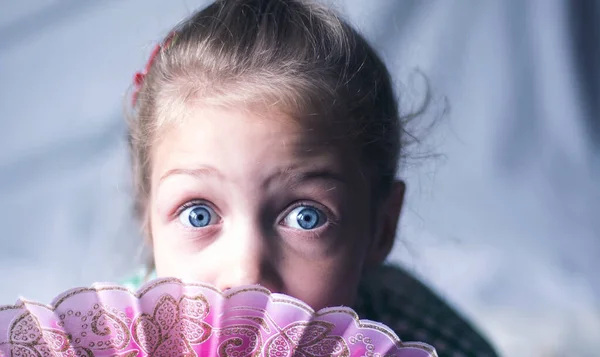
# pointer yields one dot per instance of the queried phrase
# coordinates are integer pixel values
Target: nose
(246, 259)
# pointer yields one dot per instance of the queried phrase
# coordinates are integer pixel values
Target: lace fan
(168, 317)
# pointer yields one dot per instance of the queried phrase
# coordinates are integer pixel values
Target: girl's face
(243, 199)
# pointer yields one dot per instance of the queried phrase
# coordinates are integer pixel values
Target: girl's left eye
(305, 218)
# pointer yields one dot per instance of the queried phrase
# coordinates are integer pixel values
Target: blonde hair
(295, 55)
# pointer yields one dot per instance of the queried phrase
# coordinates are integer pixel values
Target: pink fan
(168, 317)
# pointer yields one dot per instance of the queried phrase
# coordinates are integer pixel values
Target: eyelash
(331, 218)
(193, 203)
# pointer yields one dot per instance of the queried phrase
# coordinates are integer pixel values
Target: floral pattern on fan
(168, 317)
(173, 327)
(28, 338)
(307, 339)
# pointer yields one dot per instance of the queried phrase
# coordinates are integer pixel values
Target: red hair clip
(139, 77)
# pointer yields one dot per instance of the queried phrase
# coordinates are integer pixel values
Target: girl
(265, 141)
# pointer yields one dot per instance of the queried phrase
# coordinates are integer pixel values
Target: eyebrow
(291, 174)
(295, 175)
(198, 172)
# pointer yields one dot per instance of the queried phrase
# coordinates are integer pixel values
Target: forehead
(247, 143)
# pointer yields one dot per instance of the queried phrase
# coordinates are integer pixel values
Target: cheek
(175, 256)
(199, 266)
(332, 281)
(338, 275)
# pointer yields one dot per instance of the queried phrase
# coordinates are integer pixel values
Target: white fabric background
(504, 223)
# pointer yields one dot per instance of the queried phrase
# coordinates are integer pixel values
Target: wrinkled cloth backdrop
(504, 222)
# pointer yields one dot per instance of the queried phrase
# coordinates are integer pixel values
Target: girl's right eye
(198, 216)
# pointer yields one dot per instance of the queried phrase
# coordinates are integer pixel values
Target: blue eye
(198, 216)
(305, 217)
